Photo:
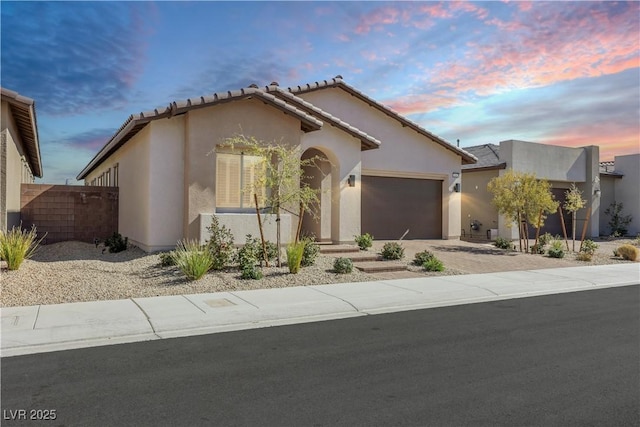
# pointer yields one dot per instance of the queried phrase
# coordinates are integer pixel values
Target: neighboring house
(381, 173)
(20, 158)
(561, 166)
(619, 181)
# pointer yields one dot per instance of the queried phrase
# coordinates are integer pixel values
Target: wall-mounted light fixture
(455, 174)
(597, 192)
(456, 187)
(351, 180)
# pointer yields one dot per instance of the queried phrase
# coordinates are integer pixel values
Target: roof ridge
(373, 142)
(338, 81)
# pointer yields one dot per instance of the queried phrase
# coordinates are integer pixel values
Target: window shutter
(227, 180)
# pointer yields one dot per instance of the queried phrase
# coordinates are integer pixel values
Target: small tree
(521, 198)
(281, 173)
(618, 222)
(573, 203)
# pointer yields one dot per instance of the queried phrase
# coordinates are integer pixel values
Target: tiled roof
(608, 168)
(337, 81)
(368, 141)
(136, 122)
(487, 155)
(23, 110)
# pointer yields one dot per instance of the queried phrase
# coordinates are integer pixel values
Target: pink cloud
(552, 47)
(376, 19)
(422, 103)
(612, 142)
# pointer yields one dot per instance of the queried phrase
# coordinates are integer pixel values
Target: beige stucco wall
(561, 166)
(166, 184)
(134, 176)
(15, 167)
(476, 202)
(207, 127)
(343, 151)
(241, 224)
(628, 189)
(403, 153)
(608, 196)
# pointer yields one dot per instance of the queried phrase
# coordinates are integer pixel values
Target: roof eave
(308, 123)
(29, 134)
(339, 83)
(486, 168)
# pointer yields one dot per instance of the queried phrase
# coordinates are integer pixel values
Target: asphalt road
(568, 359)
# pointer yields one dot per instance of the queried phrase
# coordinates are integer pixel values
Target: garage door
(390, 206)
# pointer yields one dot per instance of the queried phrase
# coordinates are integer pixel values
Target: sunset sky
(563, 73)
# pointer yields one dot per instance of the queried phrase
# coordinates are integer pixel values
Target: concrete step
(339, 249)
(364, 256)
(380, 266)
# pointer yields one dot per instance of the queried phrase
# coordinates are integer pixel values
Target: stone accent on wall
(67, 212)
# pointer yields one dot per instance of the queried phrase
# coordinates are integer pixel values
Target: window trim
(243, 206)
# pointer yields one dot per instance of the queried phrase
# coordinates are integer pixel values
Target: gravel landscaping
(74, 271)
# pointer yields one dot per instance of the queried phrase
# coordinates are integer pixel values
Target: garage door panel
(390, 206)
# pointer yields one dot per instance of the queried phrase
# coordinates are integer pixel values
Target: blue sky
(564, 73)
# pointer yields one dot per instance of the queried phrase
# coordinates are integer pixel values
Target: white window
(235, 179)
(107, 178)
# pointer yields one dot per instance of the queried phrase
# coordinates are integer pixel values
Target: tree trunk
(584, 228)
(538, 231)
(265, 256)
(573, 231)
(564, 228)
(520, 230)
(278, 236)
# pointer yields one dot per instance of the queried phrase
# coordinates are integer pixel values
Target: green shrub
(251, 272)
(310, 252)
(167, 259)
(537, 249)
(17, 245)
(422, 257)
(557, 249)
(628, 252)
(116, 243)
(433, 264)
(618, 222)
(343, 265)
(294, 256)
(193, 259)
(544, 239)
(503, 243)
(364, 241)
(272, 251)
(220, 244)
(589, 247)
(392, 251)
(587, 250)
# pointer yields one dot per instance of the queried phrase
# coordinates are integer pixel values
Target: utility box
(492, 233)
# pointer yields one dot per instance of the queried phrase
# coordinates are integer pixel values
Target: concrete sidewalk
(44, 328)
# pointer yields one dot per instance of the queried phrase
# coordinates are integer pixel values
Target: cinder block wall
(68, 212)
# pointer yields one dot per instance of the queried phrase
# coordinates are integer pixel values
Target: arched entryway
(321, 177)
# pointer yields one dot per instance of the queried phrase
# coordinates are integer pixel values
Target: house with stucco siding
(600, 184)
(379, 172)
(20, 160)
